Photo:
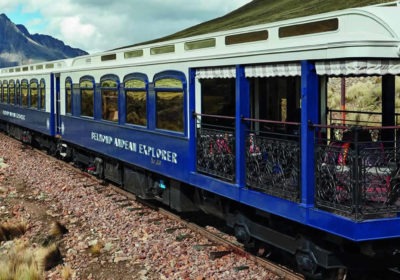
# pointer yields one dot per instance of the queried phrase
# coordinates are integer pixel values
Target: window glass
(34, 94)
(18, 93)
(11, 89)
(24, 93)
(109, 100)
(1, 92)
(218, 99)
(4, 97)
(42, 95)
(68, 97)
(136, 98)
(170, 104)
(309, 28)
(87, 95)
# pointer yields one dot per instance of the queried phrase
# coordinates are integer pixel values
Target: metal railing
(357, 174)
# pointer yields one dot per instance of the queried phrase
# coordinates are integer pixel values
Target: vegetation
(362, 94)
(23, 261)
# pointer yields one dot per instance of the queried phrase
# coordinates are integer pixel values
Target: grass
(18, 260)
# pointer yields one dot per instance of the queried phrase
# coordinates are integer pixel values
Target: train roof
(366, 32)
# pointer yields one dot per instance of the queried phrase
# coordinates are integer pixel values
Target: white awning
(214, 73)
(273, 70)
(358, 67)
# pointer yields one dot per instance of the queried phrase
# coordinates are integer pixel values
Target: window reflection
(11, 89)
(34, 94)
(136, 98)
(87, 94)
(170, 104)
(68, 97)
(24, 93)
(42, 95)
(109, 100)
(5, 92)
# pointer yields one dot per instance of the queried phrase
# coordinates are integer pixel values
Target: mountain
(18, 46)
(266, 11)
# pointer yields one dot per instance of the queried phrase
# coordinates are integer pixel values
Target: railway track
(215, 238)
(281, 271)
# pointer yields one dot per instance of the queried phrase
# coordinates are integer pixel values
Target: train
(236, 124)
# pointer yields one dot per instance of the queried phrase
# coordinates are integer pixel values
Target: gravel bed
(109, 238)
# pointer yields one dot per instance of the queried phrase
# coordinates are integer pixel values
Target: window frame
(140, 77)
(10, 83)
(114, 78)
(33, 81)
(68, 112)
(24, 82)
(17, 93)
(42, 97)
(93, 88)
(4, 92)
(176, 75)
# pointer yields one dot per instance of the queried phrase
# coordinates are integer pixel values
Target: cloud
(98, 25)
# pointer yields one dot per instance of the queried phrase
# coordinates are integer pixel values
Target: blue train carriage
(27, 103)
(237, 124)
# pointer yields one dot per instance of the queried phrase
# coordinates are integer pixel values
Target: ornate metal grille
(273, 165)
(216, 153)
(358, 177)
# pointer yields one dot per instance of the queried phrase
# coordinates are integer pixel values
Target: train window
(136, 99)
(200, 44)
(24, 93)
(162, 49)
(42, 95)
(309, 28)
(5, 92)
(132, 54)
(33, 94)
(109, 57)
(68, 96)
(246, 37)
(17, 93)
(11, 89)
(86, 86)
(169, 103)
(109, 98)
(218, 98)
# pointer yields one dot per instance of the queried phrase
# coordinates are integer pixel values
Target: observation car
(237, 124)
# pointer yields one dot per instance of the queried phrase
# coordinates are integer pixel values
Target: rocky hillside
(18, 46)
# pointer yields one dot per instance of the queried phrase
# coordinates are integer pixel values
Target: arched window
(170, 99)
(42, 95)
(109, 97)
(135, 85)
(68, 96)
(24, 93)
(11, 89)
(4, 98)
(17, 93)
(33, 94)
(86, 86)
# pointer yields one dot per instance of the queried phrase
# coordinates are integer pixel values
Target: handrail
(213, 116)
(270, 121)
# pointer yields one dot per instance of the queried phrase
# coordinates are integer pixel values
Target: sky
(100, 25)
